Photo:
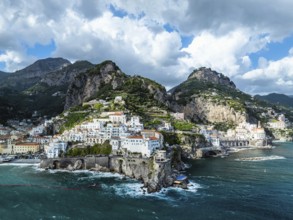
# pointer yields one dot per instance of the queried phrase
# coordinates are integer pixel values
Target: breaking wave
(136, 190)
(256, 159)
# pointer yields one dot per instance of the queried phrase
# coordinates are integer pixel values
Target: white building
(143, 144)
(54, 149)
(134, 124)
(278, 124)
(114, 130)
(96, 124)
(165, 127)
(37, 130)
(118, 118)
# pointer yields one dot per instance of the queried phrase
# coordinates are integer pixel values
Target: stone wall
(154, 175)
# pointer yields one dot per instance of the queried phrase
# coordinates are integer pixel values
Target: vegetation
(224, 126)
(104, 148)
(171, 138)
(153, 124)
(277, 99)
(72, 119)
(183, 125)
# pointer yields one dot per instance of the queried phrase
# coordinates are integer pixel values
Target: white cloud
(225, 34)
(14, 60)
(275, 76)
(227, 53)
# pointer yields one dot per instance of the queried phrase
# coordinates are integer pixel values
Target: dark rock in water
(184, 186)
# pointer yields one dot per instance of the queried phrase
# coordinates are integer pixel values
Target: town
(126, 136)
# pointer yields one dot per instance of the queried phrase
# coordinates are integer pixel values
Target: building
(166, 126)
(145, 143)
(54, 149)
(134, 124)
(117, 118)
(38, 130)
(96, 124)
(25, 147)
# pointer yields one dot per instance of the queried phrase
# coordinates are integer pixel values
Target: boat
(181, 181)
(7, 159)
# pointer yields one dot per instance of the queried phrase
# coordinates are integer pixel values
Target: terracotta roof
(27, 144)
(116, 113)
(153, 138)
(148, 130)
(135, 137)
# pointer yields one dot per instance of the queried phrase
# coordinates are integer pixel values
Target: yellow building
(1, 148)
(24, 147)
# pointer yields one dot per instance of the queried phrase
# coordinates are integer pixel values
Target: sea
(250, 184)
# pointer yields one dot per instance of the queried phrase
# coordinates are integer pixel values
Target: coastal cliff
(153, 173)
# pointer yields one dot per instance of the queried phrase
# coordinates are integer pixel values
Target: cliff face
(154, 175)
(106, 80)
(209, 97)
(205, 110)
(66, 75)
(86, 85)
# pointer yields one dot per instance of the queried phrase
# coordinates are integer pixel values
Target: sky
(250, 41)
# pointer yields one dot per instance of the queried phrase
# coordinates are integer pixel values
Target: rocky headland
(154, 174)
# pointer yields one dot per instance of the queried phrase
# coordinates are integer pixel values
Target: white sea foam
(136, 190)
(19, 164)
(99, 175)
(187, 166)
(257, 159)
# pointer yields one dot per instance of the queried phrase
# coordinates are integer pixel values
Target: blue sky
(273, 51)
(249, 41)
(41, 51)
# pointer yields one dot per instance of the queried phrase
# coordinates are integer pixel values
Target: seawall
(154, 174)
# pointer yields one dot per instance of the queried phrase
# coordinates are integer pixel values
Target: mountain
(39, 87)
(3, 75)
(207, 75)
(23, 79)
(53, 85)
(210, 97)
(276, 99)
(106, 81)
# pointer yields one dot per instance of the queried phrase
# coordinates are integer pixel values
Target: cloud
(274, 76)
(134, 35)
(226, 54)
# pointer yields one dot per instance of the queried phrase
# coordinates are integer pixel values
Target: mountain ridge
(206, 96)
(276, 98)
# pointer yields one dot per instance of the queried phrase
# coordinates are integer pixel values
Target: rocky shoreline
(154, 174)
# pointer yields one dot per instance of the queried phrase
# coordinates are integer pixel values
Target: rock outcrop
(105, 79)
(86, 85)
(210, 97)
(154, 174)
(207, 111)
(208, 75)
(66, 75)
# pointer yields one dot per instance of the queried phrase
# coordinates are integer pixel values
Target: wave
(20, 164)
(91, 174)
(257, 159)
(136, 190)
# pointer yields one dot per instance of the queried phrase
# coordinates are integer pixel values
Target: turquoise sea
(223, 188)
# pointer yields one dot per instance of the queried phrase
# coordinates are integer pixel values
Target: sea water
(252, 184)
